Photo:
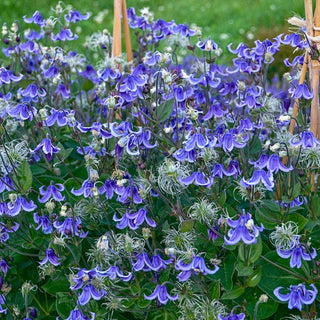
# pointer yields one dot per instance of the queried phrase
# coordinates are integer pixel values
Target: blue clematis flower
(71, 225)
(47, 148)
(2, 300)
(32, 91)
(6, 76)
(62, 91)
(74, 16)
(4, 266)
(198, 178)
(297, 296)
(20, 203)
(54, 191)
(195, 266)
(272, 163)
(85, 190)
(297, 253)
(22, 112)
(76, 314)
(133, 220)
(307, 140)
(243, 229)
(301, 91)
(51, 257)
(232, 316)
(43, 222)
(64, 35)
(36, 18)
(207, 45)
(5, 230)
(259, 176)
(114, 272)
(88, 292)
(161, 293)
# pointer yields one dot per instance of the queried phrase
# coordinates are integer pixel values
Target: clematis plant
(115, 176)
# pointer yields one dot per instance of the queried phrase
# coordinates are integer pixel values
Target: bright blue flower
(64, 35)
(22, 111)
(207, 45)
(6, 76)
(71, 225)
(259, 176)
(88, 292)
(43, 222)
(20, 204)
(85, 190)
(2, 300)
(51, 257)
(161, 293)
(198, 178)
(32, 91)
(133, 220)
(47, 148)
(5, 230)
(61, 117)
(36, 18)
(4, 266)
(54, 191)
(272, 163)
(301, 91)
(232, 316)
(297, 253)
(114, 272)
(62, 91)
(195, 266)
(76, 314)
(297, 296)
(242, 229)
(74, 16)
(307, 140)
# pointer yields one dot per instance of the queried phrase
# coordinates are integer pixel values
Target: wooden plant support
(120, 8)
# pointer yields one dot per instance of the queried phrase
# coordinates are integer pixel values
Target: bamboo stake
(116, 45)
(126, 31)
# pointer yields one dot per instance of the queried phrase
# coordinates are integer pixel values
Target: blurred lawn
(224, 20)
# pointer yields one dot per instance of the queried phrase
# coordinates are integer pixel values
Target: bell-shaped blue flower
(51, 257)
(195, 266)
(242, 229)
(54, 191)
(307, 140)
(161, 293)
(259, 176)
(47, 148)
(297, 253)
(43, 222)
(76, 314)
(297, 296)
(232, 316)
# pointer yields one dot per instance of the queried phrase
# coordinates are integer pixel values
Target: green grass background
(224, 20)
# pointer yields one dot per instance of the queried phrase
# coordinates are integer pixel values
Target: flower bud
(63, 211)
(50, 205)
(146, 233)
(170, 251)
(263, 298)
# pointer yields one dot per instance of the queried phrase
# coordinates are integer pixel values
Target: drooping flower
(297, 296)
(85, 190)
(133, 220)
(4, 266)
(195, 266)
(301, 91)
(232, 316)
(53, 190)
(19, 203)
(242, 229)
(70, 226)
(51, 257)
(64, 35)
(76, 314)
(297, 253)
(47, 148)
(161, 293)
(43, 222)
(307, 140)
(259, 176)
(114, 272)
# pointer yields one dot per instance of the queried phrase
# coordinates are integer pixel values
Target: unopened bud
(263, 298)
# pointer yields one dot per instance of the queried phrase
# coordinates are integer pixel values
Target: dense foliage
(164, 188)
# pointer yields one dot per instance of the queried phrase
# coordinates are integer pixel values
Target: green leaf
(215, 291)
(163, 112)
(143, 303)
(60, 285)
(186, 225)
(255, 250)
(254, 278)
(243, 270)
(267, 218)
(255, 146)
(233, 294)
(225, 273)
(316, 205)
(87, 85)
(298, 219)
(24, 176)
(64, 304)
